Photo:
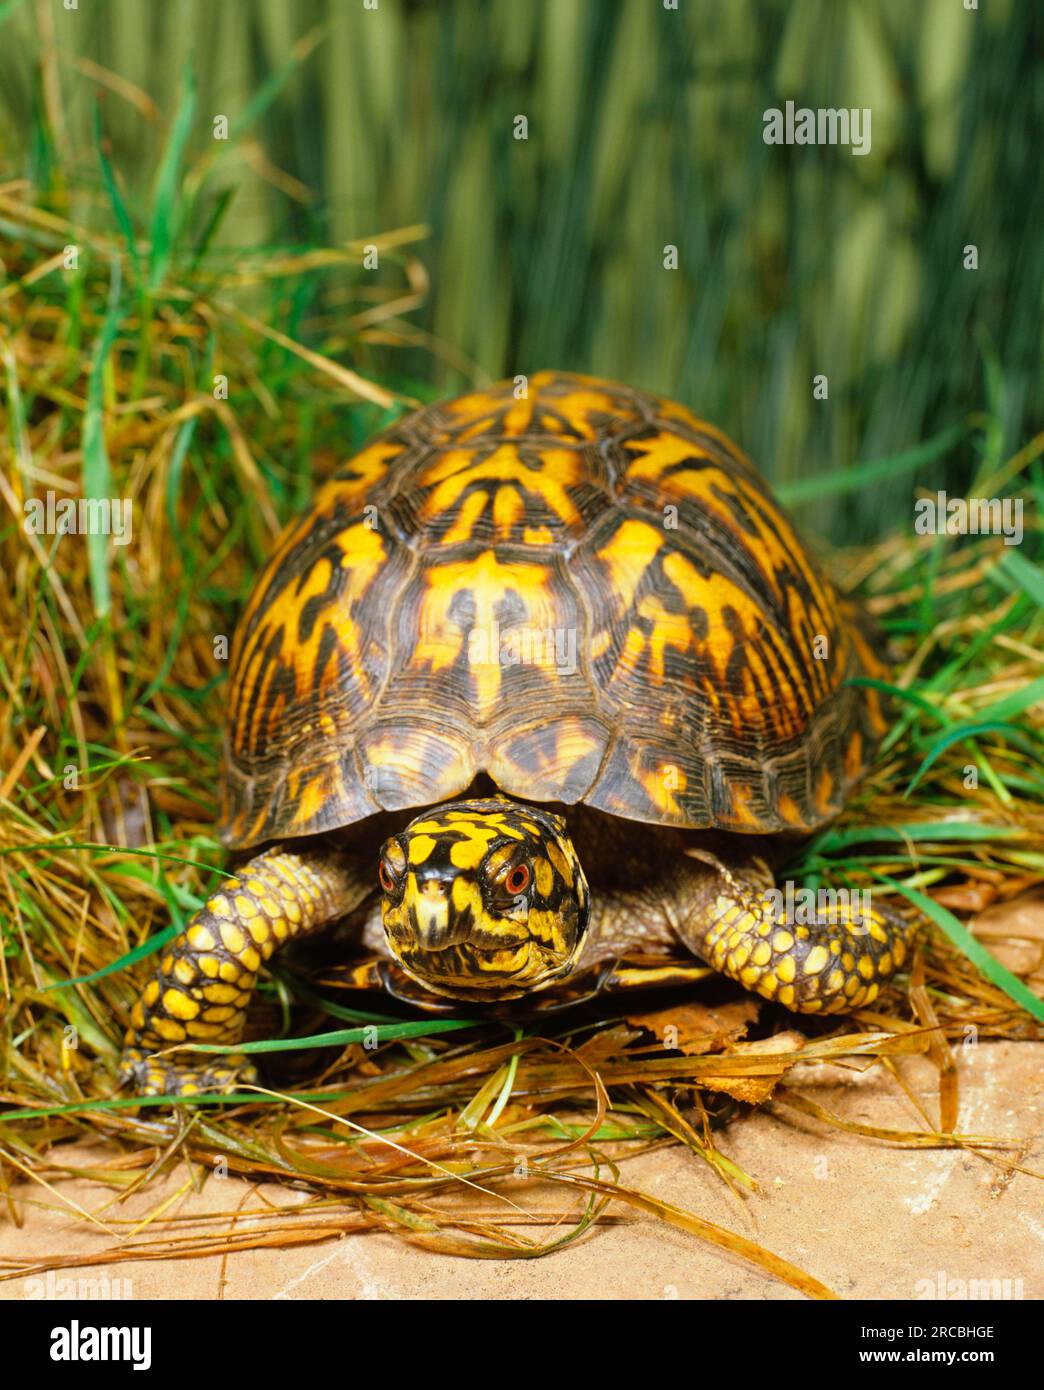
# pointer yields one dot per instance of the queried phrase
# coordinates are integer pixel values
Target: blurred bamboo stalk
(644, 131)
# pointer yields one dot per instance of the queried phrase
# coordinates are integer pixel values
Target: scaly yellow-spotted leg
(829, 965)
(205, 978)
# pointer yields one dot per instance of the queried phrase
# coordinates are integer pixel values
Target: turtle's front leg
(732, 919)
(204, 981)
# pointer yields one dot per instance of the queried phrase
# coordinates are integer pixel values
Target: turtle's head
(484, 899)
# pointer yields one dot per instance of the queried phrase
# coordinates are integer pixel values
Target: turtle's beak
(432, 921)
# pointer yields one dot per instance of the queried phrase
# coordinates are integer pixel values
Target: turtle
(529, 703)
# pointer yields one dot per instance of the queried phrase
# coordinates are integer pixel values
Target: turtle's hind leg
(837, 961)
(202, 986)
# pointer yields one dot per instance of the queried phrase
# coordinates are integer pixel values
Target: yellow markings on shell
(789, 810)
(662, 786)
(456, 471)
(776, 550)
(782, 941)
(367, 468)
(464, 523)
(741, 798)
(787, 969)
(508, 510)
(537, 535)
(151, 992)
(251, 959)
(627, 556)
(245, 907)
(313, 796)
(201, 938)
(866, 967)
(492, 582)
(854, 756)
(762, 953)
(184, 971)
(786, 993)
(825, 785)
(260, 931)
(257, 703)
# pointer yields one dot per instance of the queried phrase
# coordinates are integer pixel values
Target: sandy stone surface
(866, 1218)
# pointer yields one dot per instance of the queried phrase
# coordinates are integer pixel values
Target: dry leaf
(699, 1028)
(754, 1089)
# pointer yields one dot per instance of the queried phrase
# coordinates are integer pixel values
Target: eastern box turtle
(578, 609)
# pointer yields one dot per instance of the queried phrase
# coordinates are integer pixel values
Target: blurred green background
(644, 130)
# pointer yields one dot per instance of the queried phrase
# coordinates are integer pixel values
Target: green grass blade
(874, 471)
(976, 952)
(341, 1037)
(1017, 702)
(959, 734)
(915, 831)
(167, 184)
(1025, 575)
(97, 481)
(119, 207)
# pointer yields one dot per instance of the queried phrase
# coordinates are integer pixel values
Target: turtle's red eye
(517, 880)
(386, 877)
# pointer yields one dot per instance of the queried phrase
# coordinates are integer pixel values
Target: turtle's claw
(148, 1075)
